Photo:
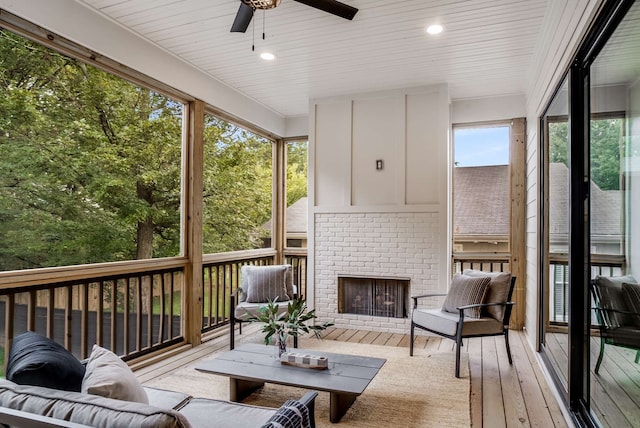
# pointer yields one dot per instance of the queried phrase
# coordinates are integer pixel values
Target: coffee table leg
(240, 389)
(339, 404)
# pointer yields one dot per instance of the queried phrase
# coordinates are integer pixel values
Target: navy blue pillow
(38, 360)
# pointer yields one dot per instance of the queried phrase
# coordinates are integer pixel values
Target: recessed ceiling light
(267, 56)
(434, 29)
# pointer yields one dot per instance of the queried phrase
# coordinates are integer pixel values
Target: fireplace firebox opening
(374, 296)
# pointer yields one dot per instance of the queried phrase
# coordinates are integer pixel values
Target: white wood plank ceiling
(486, 48)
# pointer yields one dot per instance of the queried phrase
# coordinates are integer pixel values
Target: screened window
(238, 188)
(296, 214)
(481, 189)
(89, 163)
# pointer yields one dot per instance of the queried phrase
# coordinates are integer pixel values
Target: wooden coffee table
(250, 366)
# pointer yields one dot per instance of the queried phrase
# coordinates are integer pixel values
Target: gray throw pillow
(632, 293)
(264, 283)
(108, 376)
(497, 291)
(466, 290)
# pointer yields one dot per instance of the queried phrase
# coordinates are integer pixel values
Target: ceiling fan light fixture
(434, 29)
(262, 4)
(267, 56)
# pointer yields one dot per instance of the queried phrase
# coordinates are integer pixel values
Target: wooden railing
(604, 265)
(484, 262)
(132, 308)
(221, 277)
(132, 313)
(297, 258)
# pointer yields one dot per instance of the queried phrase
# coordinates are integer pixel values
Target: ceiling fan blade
(333, 7)
(243, 18)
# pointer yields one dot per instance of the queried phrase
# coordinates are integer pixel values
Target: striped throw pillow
(466, 290)
(265, 283)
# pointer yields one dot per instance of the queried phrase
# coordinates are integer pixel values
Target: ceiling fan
(248, 7)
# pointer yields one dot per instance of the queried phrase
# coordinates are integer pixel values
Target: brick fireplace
(385, 245)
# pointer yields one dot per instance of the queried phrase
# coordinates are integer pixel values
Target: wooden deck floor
(615, 391)
(501, 395)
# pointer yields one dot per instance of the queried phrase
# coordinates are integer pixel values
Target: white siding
(565, 24)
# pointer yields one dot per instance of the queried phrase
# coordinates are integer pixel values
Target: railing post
(517, 237)
(278, 232)
(192, 231)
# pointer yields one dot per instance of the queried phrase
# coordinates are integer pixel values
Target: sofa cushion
(466, 290)
(38, 360)
(166, 399)
(497, 291)
(107, 375)
(265, 283)
(247, 271)
(87, 409)
(447, 323)
(292, 414)
(203, 412)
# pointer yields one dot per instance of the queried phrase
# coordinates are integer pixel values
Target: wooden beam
(518, 217)
(192, 231)
(278, 232)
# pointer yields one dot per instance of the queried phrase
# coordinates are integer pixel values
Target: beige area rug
(418, 391)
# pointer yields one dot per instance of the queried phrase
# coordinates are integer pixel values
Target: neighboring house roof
(606, 208)
(297, 216)
(297, 219)
(481, 201)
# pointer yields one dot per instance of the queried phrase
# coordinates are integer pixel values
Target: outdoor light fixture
(267, 56)
(261, 4)
(434, 29)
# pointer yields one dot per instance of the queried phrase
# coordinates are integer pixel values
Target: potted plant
(281, 325)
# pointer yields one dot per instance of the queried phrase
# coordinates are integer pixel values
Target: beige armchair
(477, 304)
(258, 285)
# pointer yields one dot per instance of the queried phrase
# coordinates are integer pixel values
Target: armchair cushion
(497, 291)
(447, 323)
(263, 283)
(466, 290)
(611, 297)
(38, 360)
(245, 310)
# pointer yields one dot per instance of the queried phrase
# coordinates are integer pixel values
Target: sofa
(36, 406)
(46, 386)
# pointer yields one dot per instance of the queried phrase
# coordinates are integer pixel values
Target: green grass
(177, 306)
(177, 300)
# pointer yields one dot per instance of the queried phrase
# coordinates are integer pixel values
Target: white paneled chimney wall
(371, 221)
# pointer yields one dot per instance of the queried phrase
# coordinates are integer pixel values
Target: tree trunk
(144, 248)
(145, 239)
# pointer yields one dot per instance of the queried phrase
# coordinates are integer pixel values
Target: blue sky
(481, 146)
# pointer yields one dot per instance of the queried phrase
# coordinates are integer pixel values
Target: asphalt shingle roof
(481, 200)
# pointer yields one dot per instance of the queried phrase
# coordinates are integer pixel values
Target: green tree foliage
(605, 146)
(90, 167)
(296, 171)
(89, 163)
(237, 187)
